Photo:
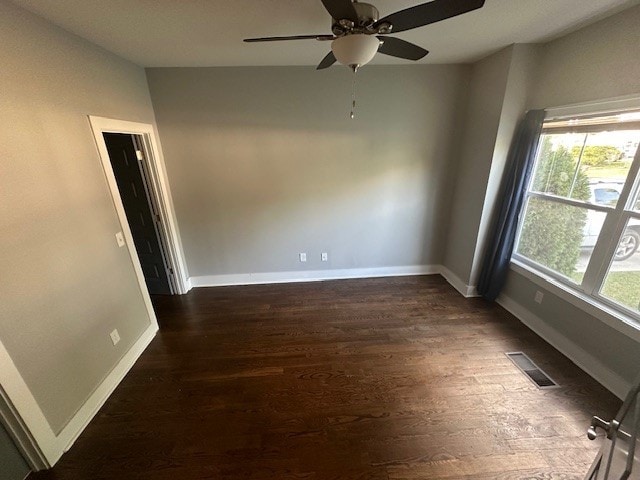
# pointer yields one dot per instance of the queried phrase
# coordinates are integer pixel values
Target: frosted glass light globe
(356, 49)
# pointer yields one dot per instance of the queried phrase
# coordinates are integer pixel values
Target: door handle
(609, 427)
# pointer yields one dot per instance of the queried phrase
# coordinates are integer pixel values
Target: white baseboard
(455, 281)
(311, 275)
(81, 419)
(583, 359)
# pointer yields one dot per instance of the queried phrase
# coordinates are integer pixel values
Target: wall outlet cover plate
(120, 239)
(115, 337)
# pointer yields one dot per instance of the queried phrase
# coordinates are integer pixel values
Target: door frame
(38, 457)
(19, 411)
(158, 184)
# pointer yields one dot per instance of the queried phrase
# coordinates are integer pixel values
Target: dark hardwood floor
(393, 378)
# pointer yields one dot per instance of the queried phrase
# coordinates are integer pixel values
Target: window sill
(613, 318)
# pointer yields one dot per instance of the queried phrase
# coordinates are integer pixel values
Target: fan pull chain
(353, 96)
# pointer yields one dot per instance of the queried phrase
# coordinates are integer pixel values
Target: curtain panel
(520, 160)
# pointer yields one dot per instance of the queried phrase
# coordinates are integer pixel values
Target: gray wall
(522, 69)
(12, 465)
(65, 283)
(265, 163)
(597, 62)
(482, 121)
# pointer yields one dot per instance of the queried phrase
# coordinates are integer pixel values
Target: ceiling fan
(358, 33)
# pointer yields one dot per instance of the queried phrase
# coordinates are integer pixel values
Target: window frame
(615, 222)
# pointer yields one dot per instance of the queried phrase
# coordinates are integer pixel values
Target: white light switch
(303, 257)
(539, 296)
(120, 239)
(115, 336)
(324, 257)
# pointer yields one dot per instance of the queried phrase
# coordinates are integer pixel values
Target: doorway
(125, 153)
(137, 178)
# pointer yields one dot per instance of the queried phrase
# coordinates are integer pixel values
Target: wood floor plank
(376, 379)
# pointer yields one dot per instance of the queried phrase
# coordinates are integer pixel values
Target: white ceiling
(163, 33)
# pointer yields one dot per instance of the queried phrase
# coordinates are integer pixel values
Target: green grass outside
(623, 288)
(617, 171)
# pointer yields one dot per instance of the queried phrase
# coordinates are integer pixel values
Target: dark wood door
(140, 216)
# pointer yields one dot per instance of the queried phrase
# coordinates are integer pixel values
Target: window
(581, 220)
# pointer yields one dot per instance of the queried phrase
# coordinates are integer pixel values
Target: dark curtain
(522, 155)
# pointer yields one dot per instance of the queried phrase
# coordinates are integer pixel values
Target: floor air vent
(531, 370)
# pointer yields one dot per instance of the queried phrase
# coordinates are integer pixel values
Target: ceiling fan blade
(401, 48)
(341, 9)
(327, 61)
(428, 13)
(295, 37)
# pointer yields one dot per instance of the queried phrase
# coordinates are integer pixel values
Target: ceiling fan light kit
(359, 33)
(350, 18)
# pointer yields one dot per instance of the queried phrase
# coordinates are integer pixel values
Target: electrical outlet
(303, 257)
(324, 256)
(120, 239)
(539, 296)
(115, 337)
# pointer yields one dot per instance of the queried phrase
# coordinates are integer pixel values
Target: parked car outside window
(607, 194)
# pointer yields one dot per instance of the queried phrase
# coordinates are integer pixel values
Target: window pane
(559, 237)
(606, 157)
(590, 167)
(557, 169)
(580, 173)
(622, 283)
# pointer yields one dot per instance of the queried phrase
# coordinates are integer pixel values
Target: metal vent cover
(531, 370)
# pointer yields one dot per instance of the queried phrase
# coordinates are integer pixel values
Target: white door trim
(160, 189)
(23, 417)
